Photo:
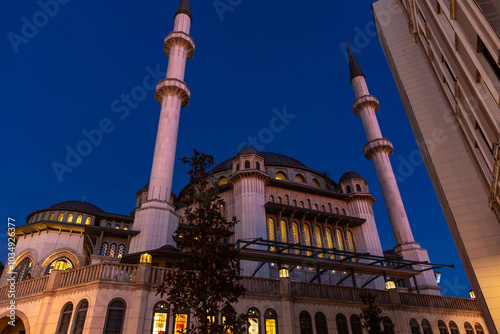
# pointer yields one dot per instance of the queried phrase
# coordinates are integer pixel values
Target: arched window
(51, 217)
(323, 208)
(80, 316)
(350, 241)
(271, 321)
(299, 178)
(307, 235)
(125, 227)
(284, 231)
(309, 204)
(222, 180)
(121, 249)
(181, 321)
(388, 326)
(117, 226)
(340, 239)
(257, 164)
(62, 263)
(414, 326)
(343, 212)
(296, 235)
(112, 250)
(271, 198)
(43, 216)
(279, 200)
(468, 328)
(271, 231)
(79, 219)
(160, 318)
(316, 183)
(348, 189)
(454, 328)
(479, 328)
(223, 210)
(319, 238)
(301, 204)
(253, 318)
(23, 270)
(60, 217)
(70, 218)
(330, 207)
(337, 211)
(356, 326)
(237, 166)
(247, 164)
(115, 317)
(316, 206)
(305, 323)
(287, 200)
(88, 221)
(64, 319)
(294, 202)
(426, 327)
(108, 225)
(321, 325)
(358, 187)
(342, 327)
(443, 329)
(329, 240)
(104, 249)
(281, 176)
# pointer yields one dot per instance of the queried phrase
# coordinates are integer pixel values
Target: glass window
(323, 208)
(320, 321)
(51, 217)
(271, 231)
(279, 200)
(414, 326)
(468, 328)
(60, 217)
(356, 326)
(284, 231)
(88, 221)
(222, 181)
(160, 318)
(319, 238)
(358, 187)
(348, 189)
(70, 218)
(181, 322)
(479, 328)
(23, 270)
(350, 241)
(296, 235)
(342, 327)
(316, 206)
(253, 317)
(112, 250)
(257, 164)
(115, 317)
(287, 200)
(340, 239)
(307, 235)
(299, 178)
(337, 211)
(281, 176)
(330, 207)
(454, 328)
(247, 164)
(64, 319)
(62, 263)
(271, 319)
(309, 204)
(80, 316)
(79, 219)
(388, 326)
(305, 323)
(301, 204)
(117, 227)
(316, 183)
(121, 249)
(426, 327)
(443, 329)
(271, 198)
(294, 202)
(104, 249)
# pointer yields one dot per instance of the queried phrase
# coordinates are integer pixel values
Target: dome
(248, 150)
(270, 159)
(350, 175)
(77, 205)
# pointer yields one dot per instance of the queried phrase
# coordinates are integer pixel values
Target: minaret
(155, 218)
(378, 149)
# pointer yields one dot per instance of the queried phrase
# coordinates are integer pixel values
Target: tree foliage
(206, 281)
(371, 314)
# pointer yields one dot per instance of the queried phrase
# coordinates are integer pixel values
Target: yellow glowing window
(350, 242)
(51, 217)
(315, 183)
(307, 232)
(222, 181)
(160, 323)
(279, 200)
(281, 176)
(319, 240)
(284, 233)
(62, 264)
(271, 198)
(180, 323)
(301, 204)
(125, 228)
(70, 218)
(117, 227)
(253, 321)
(270, 326)
(340, 239)
(299, 178)
(329, 239)
(296, 239)
(272, 232)
(294, 202)
(88, 221)
(60, 217)
(79, 219)
(223, 211)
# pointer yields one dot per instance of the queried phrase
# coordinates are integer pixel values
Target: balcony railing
(26, 288)
(449, 303)
(99, 272)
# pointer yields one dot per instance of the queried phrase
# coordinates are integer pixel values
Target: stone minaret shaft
(378, 150)
(173, 94)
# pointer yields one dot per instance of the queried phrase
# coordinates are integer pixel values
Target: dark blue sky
(61, 74)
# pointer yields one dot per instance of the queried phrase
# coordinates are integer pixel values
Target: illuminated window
(125, 227)
(321, 325)
(222, 181)
(160, 318)
(43, 216)
(301, 204)
(479, 328)
(350, 241)
(329, 239)
(121, 249)
(294, 202)
(284, 233)
(80, 316)
(51, 217)
(253, 318)
(443, 329)
(112, 250)
(454, 328)
(307, 234)
(281, 176)
(468, 328)
(426, 327)
(414, 326)
(296, 238)
(316, 206)
(88, 221)
(358, 187)
(388, 326)
(271, 319)
(356, 326)
(316, 183)
(279, 200)
(62, 263)
(319, 239)
(115, 317)
(271, 198)
(79, 219)
(271, 230)
(23, 270)
(305, 323)
(104, 249)
(299, 178)
(223, 211)
(342, 327)
(287, 200)
(65, 319)
(247, 164)
(60, 217)
(117, 227)
(70, 218)
(340, 239)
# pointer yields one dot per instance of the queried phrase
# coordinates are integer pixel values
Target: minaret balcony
(363, 102)
(179, 38)
(172, 86)
(376, 146)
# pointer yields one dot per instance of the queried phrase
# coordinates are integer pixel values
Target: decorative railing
(450, 303)
(158, 275)
(26, 288)
(261, 285)
(102, 271)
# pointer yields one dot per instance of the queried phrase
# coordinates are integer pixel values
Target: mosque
(309, 244)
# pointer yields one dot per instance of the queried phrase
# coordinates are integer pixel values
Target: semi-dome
(350, 175)
(271, 159)
(78, 205)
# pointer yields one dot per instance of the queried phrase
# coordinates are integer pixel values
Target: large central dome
(271, 159)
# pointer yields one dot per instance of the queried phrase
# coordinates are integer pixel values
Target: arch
(294, 202)
(115, 316)
(478, 328)
(222, 181)
(69, 219)
(468, 328)
(271, 321)
(388, 326)
(108, 225)
(60, 253)
(414, 326)
(301, 204)
(271, 232)
(350, 241)
(287, 200)
(104, 249)
(88, 220)
(356, 326)
(121, 250)
(181, 321)
(305, 323)
(337, 211)
(426, 327)
(160, 318)
(296, 235)
(309, 204)
(80, 316)
(358, 187)
(23, 269)
(271, 198)
(443, 329)
(253, 321)
(284, 231)
(329, 240)
(316, 183)
(330, 207)
(280, 201)
(257, 165)
(342, 327)
(21, 324)
(112, 250)
(281, 176)
(247, 164)
(300, 178)
(323, 208)
(307, 237)
(51, 216)
(79, 219)
(454, 328)
(319, 238)
(340, 239)
(237, 167)
(61, 263)
(117, 226)
(65, 319)
(316, 206)
(321, 324)
(60, 217)
(348, 189)
(343, 212)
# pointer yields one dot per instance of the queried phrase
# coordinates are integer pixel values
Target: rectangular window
(487, 55)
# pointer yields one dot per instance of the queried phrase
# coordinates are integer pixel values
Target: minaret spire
(378, 149)
(155, 218)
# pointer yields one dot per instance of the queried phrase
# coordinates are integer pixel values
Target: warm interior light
(146, 258)
(284, 273)
(472, 294)
(60, 265)
(390, 285)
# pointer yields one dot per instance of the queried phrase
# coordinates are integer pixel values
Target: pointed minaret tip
(353, 64)
(185, 7)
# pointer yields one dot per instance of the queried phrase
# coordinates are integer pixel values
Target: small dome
(350, 175)
(248, 150)
(77, 205)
